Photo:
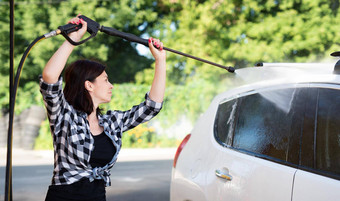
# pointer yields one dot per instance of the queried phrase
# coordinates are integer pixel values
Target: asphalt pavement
(21, 157)
(140, 174)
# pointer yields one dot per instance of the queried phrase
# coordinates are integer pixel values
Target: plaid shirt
(72, 140)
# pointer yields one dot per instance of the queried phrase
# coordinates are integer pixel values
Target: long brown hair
(75, 76)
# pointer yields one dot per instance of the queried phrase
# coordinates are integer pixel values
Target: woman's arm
(158, 85)
(57, 62)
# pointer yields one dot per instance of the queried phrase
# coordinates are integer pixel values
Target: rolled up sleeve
(152, 105)
(53, 98)
(138, 114)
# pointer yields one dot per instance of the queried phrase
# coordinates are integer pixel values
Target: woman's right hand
(77, 35)
(57, 62)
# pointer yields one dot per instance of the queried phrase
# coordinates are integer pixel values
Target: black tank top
(103, 151)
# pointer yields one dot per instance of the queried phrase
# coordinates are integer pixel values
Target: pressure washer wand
(134, 38)
(93, 27)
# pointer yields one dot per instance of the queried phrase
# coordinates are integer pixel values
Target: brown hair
(75, 76)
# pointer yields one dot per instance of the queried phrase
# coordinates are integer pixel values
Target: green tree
(243, 32)
(34, 18)
(238, 33)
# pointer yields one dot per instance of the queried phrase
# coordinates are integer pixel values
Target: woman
(86, 142)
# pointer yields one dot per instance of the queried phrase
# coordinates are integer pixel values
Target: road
(143, 180)
(132, 179)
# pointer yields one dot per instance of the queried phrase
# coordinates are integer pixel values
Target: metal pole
(8, 184)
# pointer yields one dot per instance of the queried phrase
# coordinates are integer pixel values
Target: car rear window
(262, 124)
(225, 121)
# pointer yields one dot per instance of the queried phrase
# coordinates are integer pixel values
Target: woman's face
(102, 89)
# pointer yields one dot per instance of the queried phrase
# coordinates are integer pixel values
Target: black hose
(13, 91)
(22, 61)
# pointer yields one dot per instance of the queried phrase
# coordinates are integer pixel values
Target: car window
(224, 122)
(265, 122)
(328, 131)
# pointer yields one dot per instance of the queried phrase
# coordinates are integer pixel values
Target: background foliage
(239, 33)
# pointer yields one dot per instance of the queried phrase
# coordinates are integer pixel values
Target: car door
(256, 146)
(318, 177)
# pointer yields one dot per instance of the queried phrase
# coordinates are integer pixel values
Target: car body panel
(253, 178)
(312, 187)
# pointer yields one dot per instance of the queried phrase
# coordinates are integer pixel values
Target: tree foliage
(243, 32)
(238, 33)
(34, 18)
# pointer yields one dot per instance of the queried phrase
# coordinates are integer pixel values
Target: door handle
(222, 175)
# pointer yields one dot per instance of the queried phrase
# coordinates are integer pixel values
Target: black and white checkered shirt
(73, 141)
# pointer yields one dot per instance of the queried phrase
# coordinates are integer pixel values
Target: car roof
(280, 75)
(292, 71)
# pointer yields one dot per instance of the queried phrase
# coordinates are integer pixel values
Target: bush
(141, 136)
(44, 140)
(145, 137)
(189, 100)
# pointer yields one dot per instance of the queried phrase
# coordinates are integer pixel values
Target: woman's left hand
(158, 83)
(156, 48)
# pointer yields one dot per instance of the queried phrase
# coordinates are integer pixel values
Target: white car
(275, 138)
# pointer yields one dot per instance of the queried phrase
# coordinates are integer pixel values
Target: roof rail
(336, 66)
(294, 65)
